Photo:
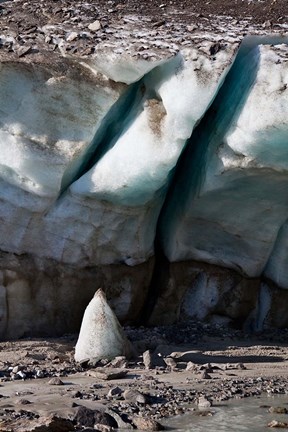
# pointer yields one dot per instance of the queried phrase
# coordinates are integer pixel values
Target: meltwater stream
(249, 414)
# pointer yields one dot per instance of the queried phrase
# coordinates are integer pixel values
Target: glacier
(163, 182)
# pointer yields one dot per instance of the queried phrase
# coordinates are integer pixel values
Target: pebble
(147, 424)
(278, 424)
(95, 26)
(134, 396)
(203, 402)
(147, 359)
(106, 374)
(55, 381)
(278, 410)
(115, 391)
(71, 36)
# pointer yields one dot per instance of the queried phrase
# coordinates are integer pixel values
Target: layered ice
(124, 190)
(102, 168)
(47, 117)
(229, 198)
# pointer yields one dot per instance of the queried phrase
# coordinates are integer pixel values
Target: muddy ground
(210, 364)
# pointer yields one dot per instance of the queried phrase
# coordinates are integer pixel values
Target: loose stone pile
(162, 381)
(82, 29)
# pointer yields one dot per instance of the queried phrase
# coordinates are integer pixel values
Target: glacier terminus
(159, 175)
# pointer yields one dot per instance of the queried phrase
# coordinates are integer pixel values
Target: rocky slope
(143, 150)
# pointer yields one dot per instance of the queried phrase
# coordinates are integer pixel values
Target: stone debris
(101, 27)
(163, 396)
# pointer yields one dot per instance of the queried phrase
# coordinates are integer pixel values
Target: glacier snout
(182, 165)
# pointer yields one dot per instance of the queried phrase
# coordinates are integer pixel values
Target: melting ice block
(101, 335)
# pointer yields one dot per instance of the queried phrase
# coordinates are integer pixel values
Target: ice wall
(229, 196)
(136, 186)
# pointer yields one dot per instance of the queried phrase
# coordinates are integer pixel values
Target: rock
(88, 417)
(171, 363)
(122, 420)
(23, 402)
(147, 424)
(21, 374)
(95, 26)
(205, 375)
(21, 51)
(119, 362)
(103, 428)
(278, 410)
(55, 381)
(203, 402)
(101, 335)
(147, 359)
(71, 36)
(134, 396)
(214, 48)
(267, 24)
(240, 366)
(53, 423)
(108, 374)
(191, 367)
(192, 27)
(115, 391)
(278, 424)
(39, 374)
(204, 413)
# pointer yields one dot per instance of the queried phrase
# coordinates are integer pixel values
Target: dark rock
(123, 422)
(114, 391)
(88, 417)
(215, 48)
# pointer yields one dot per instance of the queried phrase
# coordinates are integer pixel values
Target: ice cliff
(164, 182)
